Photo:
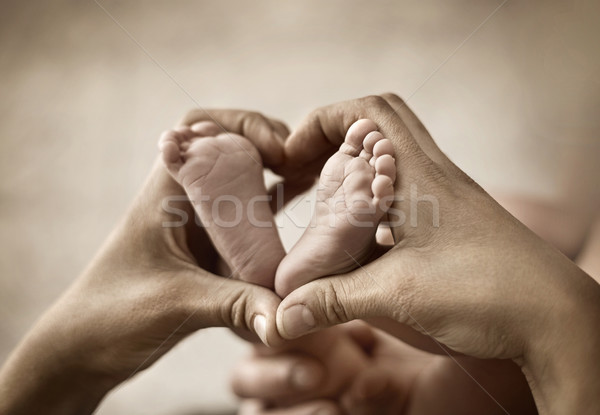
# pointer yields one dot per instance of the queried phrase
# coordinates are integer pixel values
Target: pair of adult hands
(463, 271)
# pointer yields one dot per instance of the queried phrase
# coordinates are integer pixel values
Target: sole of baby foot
(355, 190)
(222, 174)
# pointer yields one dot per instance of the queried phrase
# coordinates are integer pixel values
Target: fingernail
(303, 378)
(260, 328)
(298, 320)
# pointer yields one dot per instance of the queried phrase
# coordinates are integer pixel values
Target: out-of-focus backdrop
(510, 93)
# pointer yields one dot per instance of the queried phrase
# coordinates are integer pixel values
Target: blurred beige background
(81, 108)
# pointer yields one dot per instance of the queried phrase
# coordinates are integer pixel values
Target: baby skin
(222, 174)
(355, 191)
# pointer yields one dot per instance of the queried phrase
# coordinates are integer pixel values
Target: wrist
(49, 392)
(563, 363)
(40, 377)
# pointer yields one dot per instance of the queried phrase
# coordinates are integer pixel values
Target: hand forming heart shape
(463, 271)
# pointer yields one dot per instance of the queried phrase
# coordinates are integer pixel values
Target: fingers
(324, 129)
(266, 134)
(320, 407)
(385, 287)
(281, 129)
(210, 301)
(338, 299)
(278, 377)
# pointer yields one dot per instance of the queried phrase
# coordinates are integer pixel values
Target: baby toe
(356, 134)
(383, 191)
(169, 145)
(383, 147)
(385, 165)
(365, 155)
(370, 140)
(184, 133)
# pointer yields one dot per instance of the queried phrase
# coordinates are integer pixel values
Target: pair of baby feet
(222, 174)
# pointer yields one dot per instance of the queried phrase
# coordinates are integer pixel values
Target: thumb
(332, 300)
(265, 133)
(223, 302)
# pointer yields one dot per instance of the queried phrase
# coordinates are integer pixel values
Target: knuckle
(255, 117)
(374, 101)
(393, 97)
(333, 306)
(234, 311)
(320, 113)
(281, 125)
(254, 125)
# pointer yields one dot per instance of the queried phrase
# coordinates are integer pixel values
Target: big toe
(169, 145)
(206, 128)
(353, 142)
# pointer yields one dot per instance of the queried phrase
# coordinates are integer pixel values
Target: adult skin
(422, 383)
(478, 281)
(398, 379)
(139, 289)
(149, 287)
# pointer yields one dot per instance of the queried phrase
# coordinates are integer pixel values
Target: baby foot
(222, 174)
(355, 191)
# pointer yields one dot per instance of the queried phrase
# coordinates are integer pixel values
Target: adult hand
(265, 374)
(318, 375)
(398, 379)
(463, 270)
(152, 284)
